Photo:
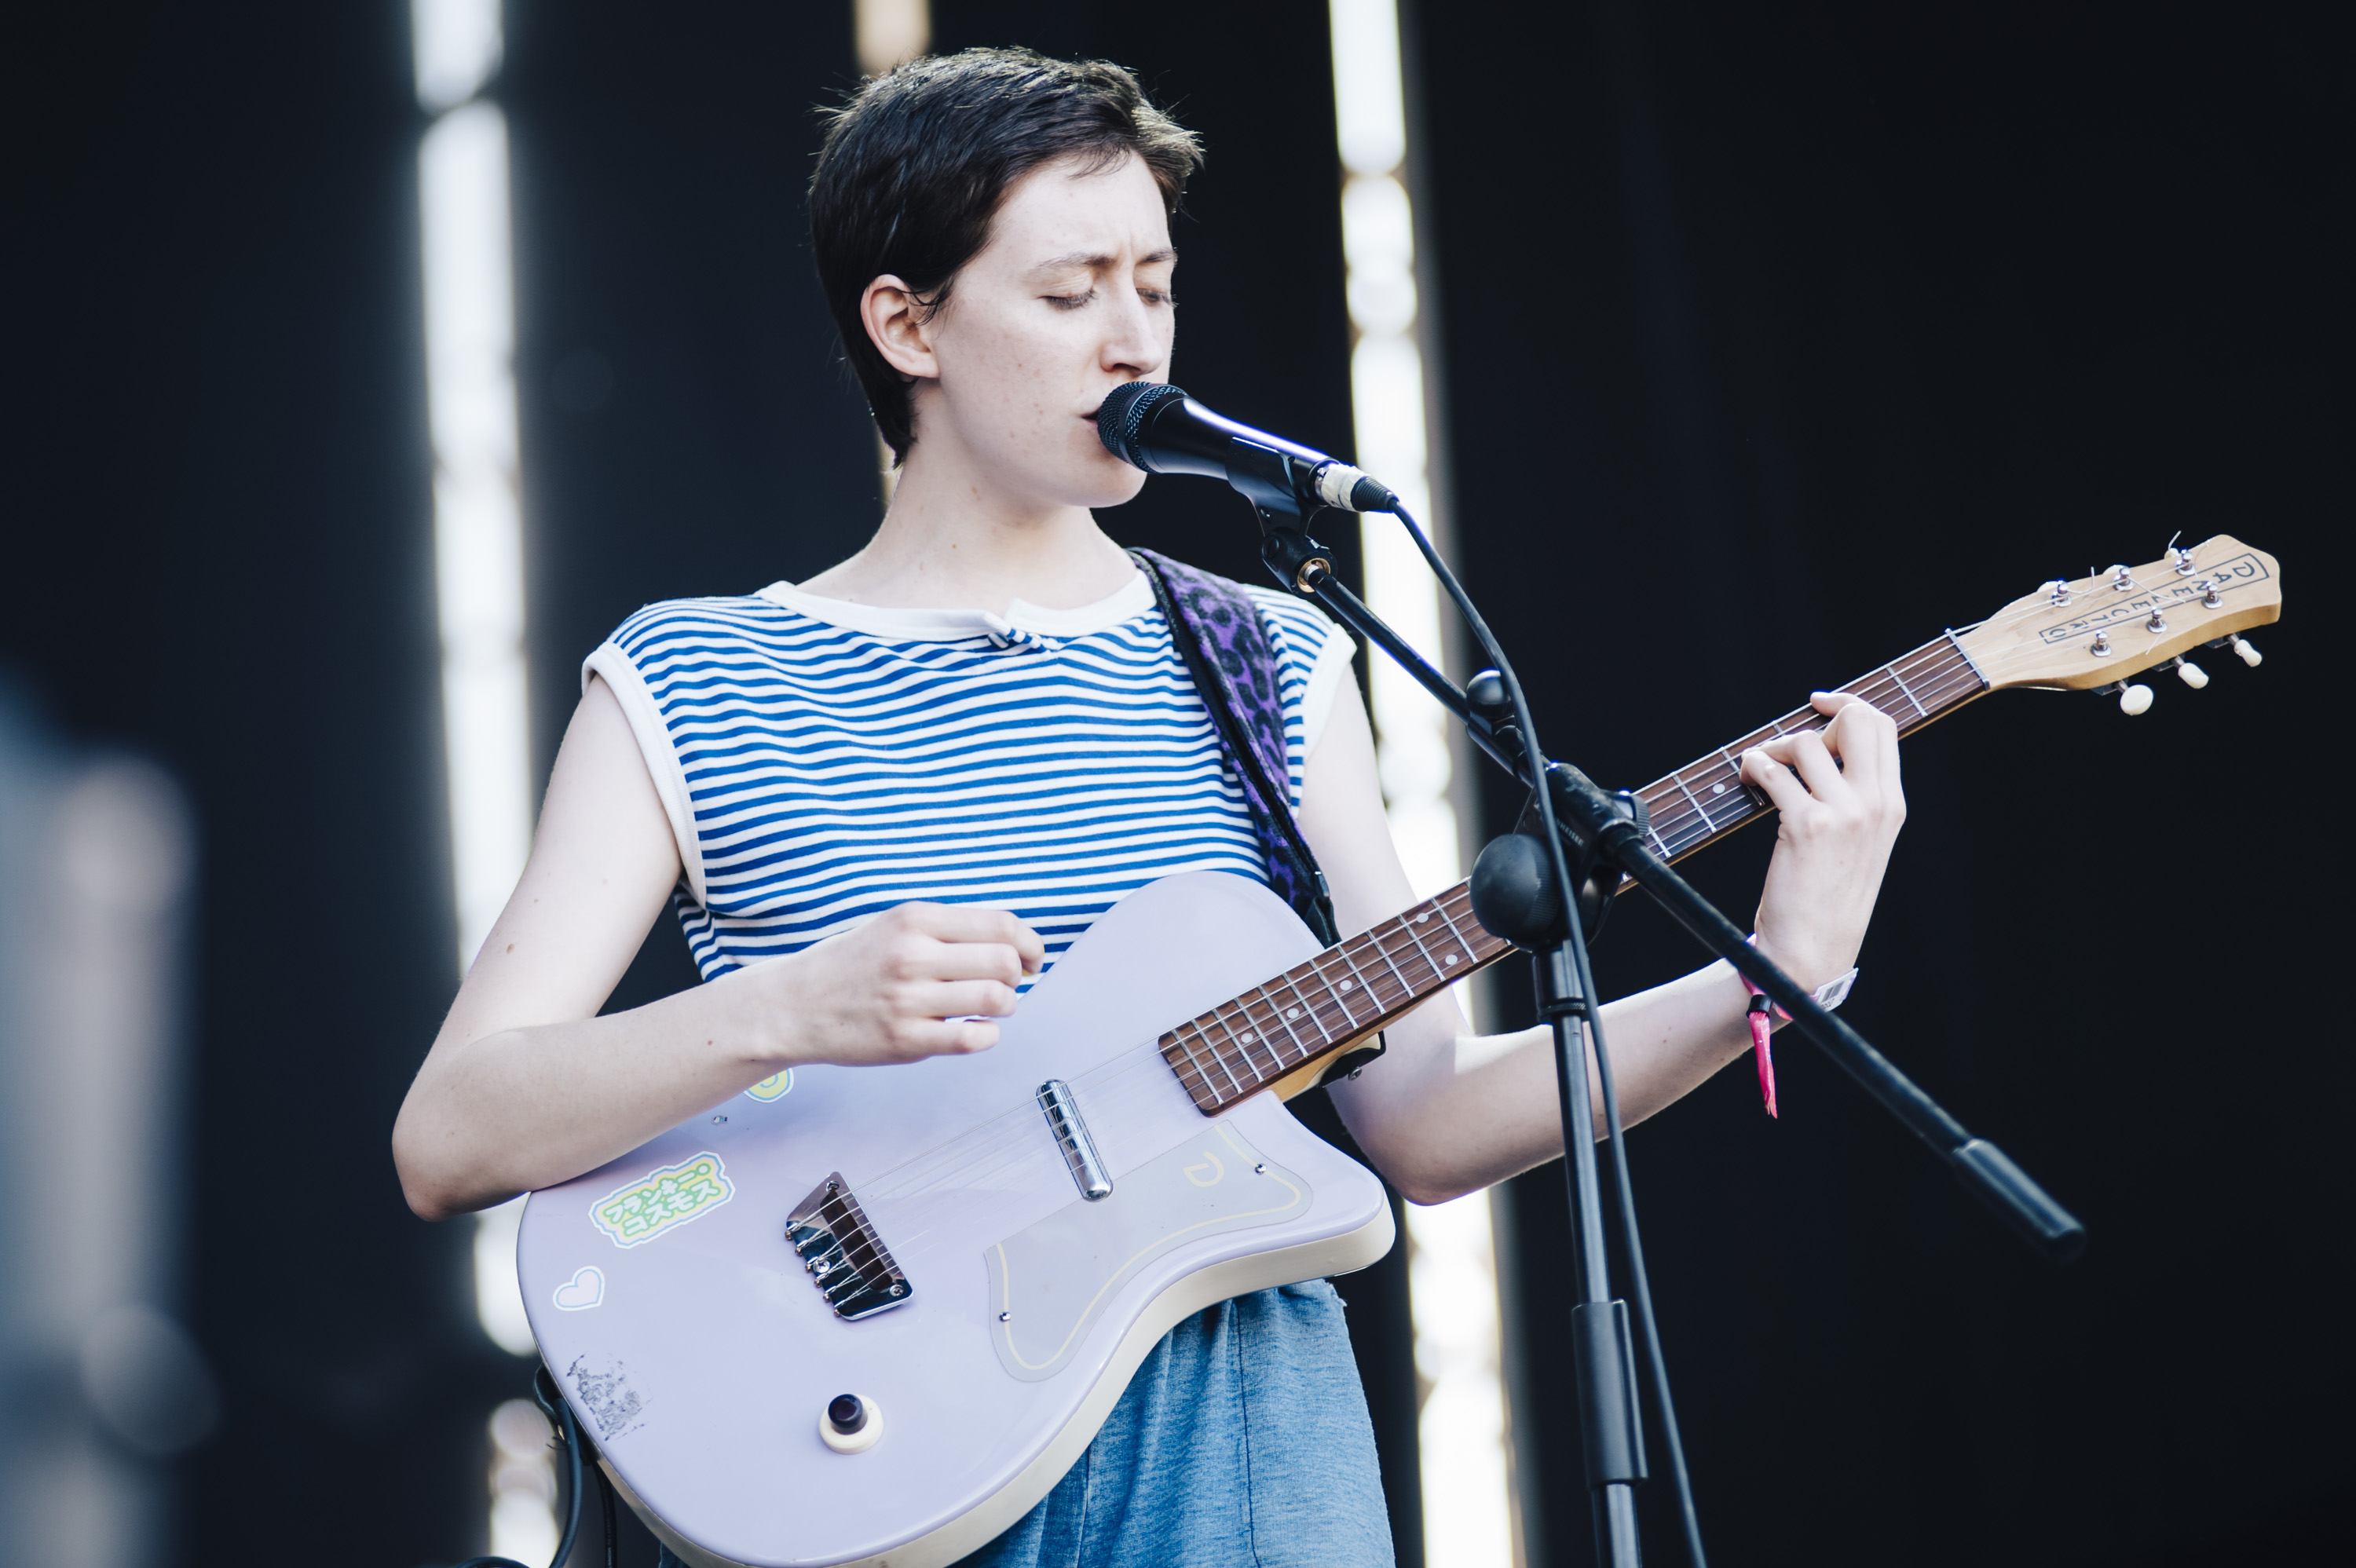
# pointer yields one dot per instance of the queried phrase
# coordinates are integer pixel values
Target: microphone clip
(1288, 552)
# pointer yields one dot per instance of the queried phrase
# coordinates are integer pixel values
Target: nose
(1136, 341)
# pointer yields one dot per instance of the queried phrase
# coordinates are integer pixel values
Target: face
(1069, 299)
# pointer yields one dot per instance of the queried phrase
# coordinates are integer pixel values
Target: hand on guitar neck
(1840, 805)
(1446, 1111)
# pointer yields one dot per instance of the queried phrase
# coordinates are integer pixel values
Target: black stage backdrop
(1851, 329)
(217, 551)
(1836, 324)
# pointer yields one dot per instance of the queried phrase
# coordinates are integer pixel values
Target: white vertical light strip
(462, 178)
(461, 168)
(466, 228)
(1451, 1256)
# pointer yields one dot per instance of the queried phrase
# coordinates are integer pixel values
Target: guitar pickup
(848, 1262)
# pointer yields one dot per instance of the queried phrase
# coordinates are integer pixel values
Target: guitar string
(964, 1161)
(1681, 814)
(1933, 699)
(938, 1171)
(901, 1182)
(1902, 675)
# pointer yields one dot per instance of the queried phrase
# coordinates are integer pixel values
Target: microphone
(1154, 426)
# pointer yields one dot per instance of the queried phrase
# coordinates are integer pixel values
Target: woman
(992, 233)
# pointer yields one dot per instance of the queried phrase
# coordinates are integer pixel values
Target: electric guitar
(871, 1316)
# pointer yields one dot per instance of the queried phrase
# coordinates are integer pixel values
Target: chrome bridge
(847, 1260)
(1080, 1157)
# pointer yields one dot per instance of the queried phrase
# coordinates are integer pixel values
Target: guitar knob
(2135, 699)
(2192, 674)
(849, 1424)
(2250, 654)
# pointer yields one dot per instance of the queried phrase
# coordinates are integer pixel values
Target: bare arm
(525, 1086)
(1446, 1111)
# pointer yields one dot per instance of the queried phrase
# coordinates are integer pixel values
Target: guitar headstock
(2097, 631)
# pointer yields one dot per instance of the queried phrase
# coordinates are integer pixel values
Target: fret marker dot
(1347, 985)
(1447, 958)
(1292, 1012)
(1718, 789)
(1248, 1035)
(1421, 918)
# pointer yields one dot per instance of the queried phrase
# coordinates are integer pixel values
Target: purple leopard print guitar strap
(1225, 647)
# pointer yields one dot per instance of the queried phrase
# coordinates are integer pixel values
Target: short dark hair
(918, 160)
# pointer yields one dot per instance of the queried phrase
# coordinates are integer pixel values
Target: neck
(953, 540)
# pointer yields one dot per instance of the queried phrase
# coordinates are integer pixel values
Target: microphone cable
(1568, 891)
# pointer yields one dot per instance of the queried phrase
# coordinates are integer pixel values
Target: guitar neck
(1705, 800)
(1346, 993)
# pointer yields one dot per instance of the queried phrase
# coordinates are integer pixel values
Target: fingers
(1807, 755)
(1862, 736)
(963, 924)
(1857, 751)
(1781, 784)
(960, 1000)
(922, 1038)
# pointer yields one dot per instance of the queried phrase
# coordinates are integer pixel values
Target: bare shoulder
(603, 862)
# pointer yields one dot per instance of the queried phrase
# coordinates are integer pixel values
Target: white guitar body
(696, 1346)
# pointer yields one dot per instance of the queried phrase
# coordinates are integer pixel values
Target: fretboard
(1349, 991)
(1342, 995)
(1705, 800)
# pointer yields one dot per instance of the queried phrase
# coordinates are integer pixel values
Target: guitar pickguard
(1050, 1282)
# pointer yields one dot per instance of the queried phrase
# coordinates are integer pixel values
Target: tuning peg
(2190, 674)
(2248, 650)
(2133, 699)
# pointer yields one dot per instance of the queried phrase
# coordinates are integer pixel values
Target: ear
(896, 325)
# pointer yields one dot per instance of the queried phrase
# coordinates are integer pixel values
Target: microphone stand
(1605, 835)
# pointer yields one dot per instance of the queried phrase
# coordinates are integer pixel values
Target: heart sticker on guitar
(584, 1291)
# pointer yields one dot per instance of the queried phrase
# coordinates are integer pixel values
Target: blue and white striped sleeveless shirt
(821, 762)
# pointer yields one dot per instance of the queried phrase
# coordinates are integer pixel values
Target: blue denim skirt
(1242, 1440)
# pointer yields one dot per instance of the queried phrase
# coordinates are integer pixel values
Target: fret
(1375, 938)
(1425, 952)
(1179, 1040)
(1308, 1012)
(1258, 1032)
(1285, 1024)
(1358, 981)
(1472, 950)
(1220, 1057)
(1692, 799)
(1237, 1043)
(1684, 808)
(1339, 991)
(1898, 680)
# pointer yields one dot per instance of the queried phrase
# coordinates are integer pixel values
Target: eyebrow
(1099, 261)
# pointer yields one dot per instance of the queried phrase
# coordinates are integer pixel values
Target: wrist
(746, 1023)
(1829, 989)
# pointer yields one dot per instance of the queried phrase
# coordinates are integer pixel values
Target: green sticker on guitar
(662, 1201)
